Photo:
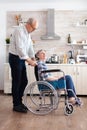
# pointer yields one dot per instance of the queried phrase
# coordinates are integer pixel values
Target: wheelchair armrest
(51, 70)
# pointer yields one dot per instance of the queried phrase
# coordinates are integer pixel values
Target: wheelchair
(42, 98)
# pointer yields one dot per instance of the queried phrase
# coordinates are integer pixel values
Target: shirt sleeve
(41, 67)
(20, 46)
(31, 50)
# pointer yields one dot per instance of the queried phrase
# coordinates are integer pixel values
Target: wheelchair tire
(40, 102)
(68, 109)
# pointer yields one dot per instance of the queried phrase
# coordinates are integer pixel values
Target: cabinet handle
(74, 73)
(77, 71)
(74, 70)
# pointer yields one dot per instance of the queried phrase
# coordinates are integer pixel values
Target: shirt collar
(25, 30)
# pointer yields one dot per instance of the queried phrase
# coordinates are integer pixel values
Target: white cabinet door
(72, 71)
(79, 76)
(7, 79)
(69, 70)
(31, 77)
(82, 79)
(53, 66)
(30, 74)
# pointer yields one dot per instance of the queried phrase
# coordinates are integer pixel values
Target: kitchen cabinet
(30, 74)
(81, 78)
(53, 66)
(69, 70)
(8, 79)
(77, 72)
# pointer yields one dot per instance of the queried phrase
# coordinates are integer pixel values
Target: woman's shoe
(76, 101)
(79, 102)
(72, 100)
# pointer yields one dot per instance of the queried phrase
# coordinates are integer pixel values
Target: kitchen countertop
(66, 64)
(60, 64)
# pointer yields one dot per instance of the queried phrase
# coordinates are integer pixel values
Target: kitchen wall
(19, 6)
(65, 23)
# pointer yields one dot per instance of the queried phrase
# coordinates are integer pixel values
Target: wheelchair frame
(46, 100)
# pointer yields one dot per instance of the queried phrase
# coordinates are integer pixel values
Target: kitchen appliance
(81, 58)
(54, 58)
(71, 60)
(50, 32)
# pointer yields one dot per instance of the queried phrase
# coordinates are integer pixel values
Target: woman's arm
(52, 78)
(45, 76)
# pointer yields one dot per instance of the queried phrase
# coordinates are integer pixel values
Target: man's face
(32, 27)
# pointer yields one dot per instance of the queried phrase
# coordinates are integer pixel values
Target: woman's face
(42, 55)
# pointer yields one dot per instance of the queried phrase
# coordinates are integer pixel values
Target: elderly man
(21, 50)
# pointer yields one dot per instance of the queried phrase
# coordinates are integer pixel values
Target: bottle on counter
(65, 59)
(69, 38)
(85, 21)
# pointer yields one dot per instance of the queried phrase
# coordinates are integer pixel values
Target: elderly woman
(54, 80)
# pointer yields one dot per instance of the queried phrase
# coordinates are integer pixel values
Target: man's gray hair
(30, 20)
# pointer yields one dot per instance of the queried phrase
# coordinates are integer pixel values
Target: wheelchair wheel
(68, 109)
(40, 97)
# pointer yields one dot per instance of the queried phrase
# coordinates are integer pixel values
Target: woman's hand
(52, 78)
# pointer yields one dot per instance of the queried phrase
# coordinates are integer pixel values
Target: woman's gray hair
(37, 53)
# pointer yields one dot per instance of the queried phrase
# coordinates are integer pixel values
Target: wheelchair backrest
(41, 86)
(36, 72)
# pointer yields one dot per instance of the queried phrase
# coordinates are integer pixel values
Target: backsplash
(65, 23)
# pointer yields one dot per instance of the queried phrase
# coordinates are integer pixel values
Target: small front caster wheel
(68, 109)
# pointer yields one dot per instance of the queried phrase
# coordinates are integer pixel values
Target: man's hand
(33, 59)
(31, 62)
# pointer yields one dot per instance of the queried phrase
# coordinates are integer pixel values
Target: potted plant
(7, 40)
